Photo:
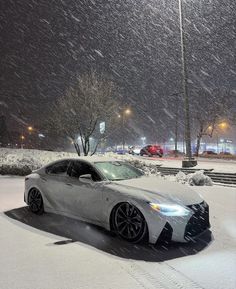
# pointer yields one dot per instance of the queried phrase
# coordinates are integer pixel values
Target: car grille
(199, 221)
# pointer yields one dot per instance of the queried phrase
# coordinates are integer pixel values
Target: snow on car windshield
(117, 171)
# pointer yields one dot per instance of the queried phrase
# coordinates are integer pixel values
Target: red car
(152, 150)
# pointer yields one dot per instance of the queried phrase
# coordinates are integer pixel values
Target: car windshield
(117, 171)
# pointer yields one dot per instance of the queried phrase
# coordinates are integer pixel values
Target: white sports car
(119, 197)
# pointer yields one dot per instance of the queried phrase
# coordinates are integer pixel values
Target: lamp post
(22, 137)
(190, 162)
(125, 112)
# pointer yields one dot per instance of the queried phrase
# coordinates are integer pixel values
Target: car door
(84, 200)
(53, 183)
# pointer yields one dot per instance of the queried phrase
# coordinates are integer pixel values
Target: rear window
(59, 168)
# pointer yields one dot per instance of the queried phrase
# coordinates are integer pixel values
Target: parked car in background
(225, 154)
(208, 153)
(120, 151)
(172, 153)
(134, 150)
(152, 150)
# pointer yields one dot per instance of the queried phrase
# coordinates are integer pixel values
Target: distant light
(22, 137)
(223, 124)
(222, 140)
(30, 128)
(127, 111)
(171, 139)
(102, 127)
(41, 135)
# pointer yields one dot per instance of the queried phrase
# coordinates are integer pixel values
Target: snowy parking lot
(50, 251)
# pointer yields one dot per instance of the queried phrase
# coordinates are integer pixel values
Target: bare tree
(209, 112)
(79, 112)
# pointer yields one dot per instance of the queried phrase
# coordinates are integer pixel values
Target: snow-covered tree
(78, 113)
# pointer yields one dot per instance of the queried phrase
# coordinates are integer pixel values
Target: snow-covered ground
(54, 252)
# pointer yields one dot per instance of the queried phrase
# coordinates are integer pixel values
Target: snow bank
(21, 162)
(196, 179)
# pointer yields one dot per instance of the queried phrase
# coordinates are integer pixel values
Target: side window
(59, 168)
(79, 168)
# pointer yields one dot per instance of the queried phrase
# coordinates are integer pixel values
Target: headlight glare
(169, 210)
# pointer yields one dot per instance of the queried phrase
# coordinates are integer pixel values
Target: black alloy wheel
(129, 223)
(35, 201)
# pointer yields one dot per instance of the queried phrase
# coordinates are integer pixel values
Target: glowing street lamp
(223, 125)
(22, 137)
(125, 113)
(30, 128)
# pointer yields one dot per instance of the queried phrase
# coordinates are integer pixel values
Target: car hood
(154, 188)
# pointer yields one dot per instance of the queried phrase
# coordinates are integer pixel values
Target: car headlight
(169, 210)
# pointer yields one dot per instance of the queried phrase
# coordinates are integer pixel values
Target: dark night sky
(44, 44)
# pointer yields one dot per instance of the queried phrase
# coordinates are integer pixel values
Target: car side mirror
(86, 178)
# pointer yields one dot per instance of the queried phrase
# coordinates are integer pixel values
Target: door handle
(68, 184)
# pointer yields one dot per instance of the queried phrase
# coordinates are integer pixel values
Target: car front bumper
(184, 228)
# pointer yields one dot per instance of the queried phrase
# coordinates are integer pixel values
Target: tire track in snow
(166, 277)
(141, 277)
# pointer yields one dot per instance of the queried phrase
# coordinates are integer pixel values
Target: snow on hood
(153, 187)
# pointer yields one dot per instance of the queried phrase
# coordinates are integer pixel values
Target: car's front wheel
(129, 223)
(35, 201)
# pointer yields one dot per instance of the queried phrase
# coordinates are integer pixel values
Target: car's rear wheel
(129, 223)
(35, 201)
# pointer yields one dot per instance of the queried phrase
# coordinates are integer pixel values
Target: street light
(22, 137)
(124, 113)
(223, 125)
(190, 161)
(30, 128)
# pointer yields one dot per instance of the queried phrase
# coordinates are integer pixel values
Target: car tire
(129, 223)
(35, 201)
